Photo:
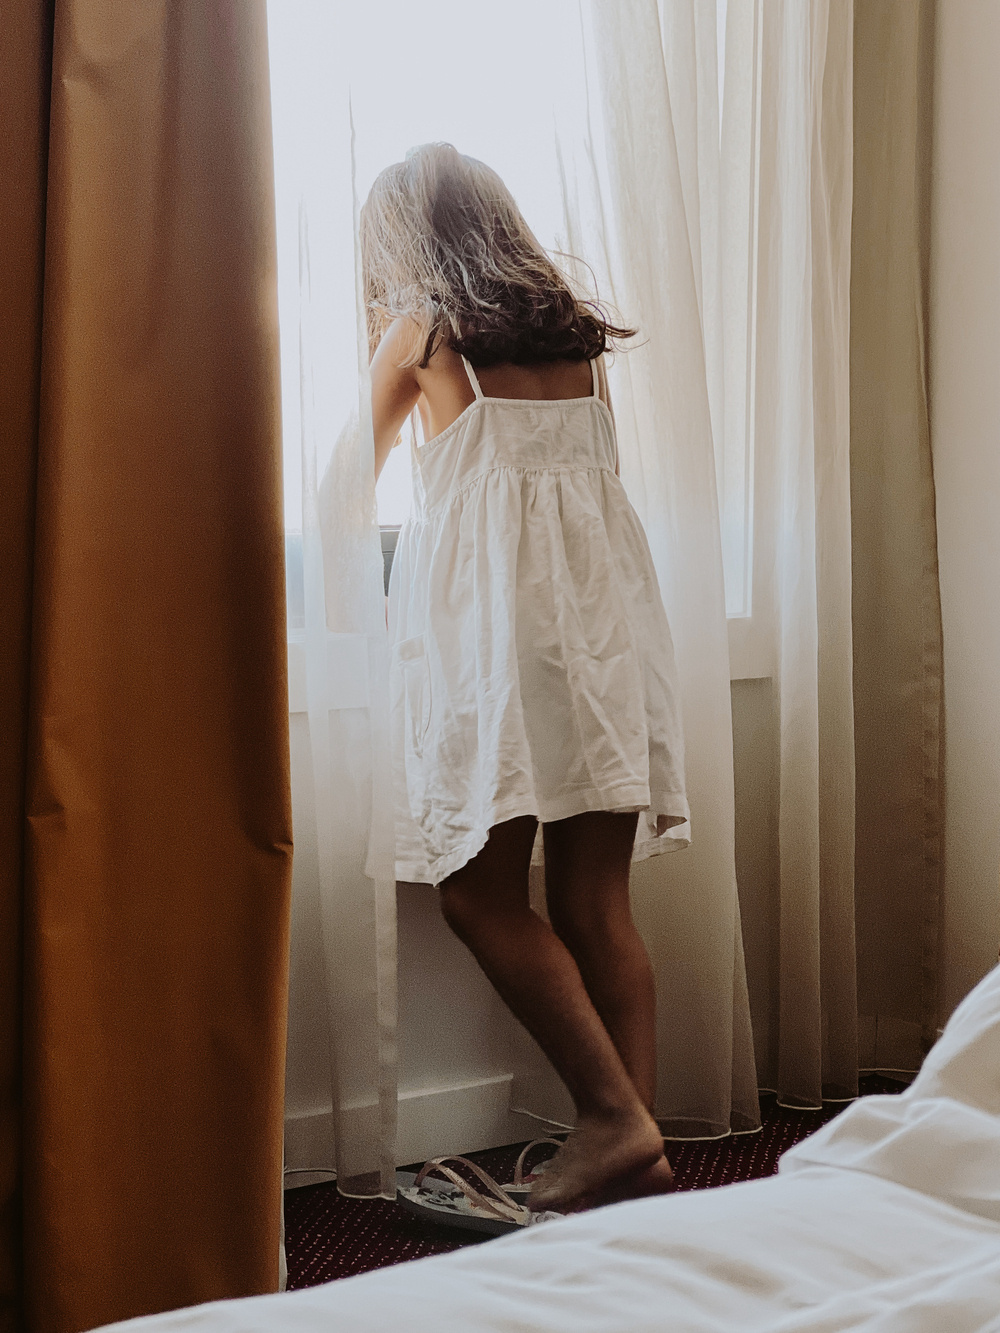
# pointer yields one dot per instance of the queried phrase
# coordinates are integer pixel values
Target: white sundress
(532, 670)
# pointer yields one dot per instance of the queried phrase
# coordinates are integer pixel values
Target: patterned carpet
(327, 1236)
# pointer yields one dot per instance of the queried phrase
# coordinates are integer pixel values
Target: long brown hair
(444, 244)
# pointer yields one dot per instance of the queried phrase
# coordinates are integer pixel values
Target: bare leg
(616, 1141)
(587, 863)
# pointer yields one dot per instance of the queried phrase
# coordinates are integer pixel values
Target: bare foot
(602, 1152)
(655, 1179)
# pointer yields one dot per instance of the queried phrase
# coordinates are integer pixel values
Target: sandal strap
(518, 1180)
(502, 1205)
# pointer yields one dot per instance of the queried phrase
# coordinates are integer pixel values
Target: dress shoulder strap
(472, 378)
(596, 391)
(601, 391)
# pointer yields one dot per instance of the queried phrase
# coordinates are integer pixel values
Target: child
(532, 676)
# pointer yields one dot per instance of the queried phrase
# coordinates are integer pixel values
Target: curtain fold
(802, 580)
(155, 885)
(26, 40)
(898, 668)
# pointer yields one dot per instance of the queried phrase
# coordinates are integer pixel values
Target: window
(390, 76)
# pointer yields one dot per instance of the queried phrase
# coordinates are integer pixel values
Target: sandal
(521, 1185)
(457, 1203)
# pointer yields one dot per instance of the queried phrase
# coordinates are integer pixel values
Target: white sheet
(886, 1221)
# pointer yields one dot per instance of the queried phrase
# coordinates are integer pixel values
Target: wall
(965, 435)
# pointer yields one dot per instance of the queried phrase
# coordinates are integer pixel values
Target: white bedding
(886, 1221)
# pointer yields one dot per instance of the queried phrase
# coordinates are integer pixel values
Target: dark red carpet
(327, 1236)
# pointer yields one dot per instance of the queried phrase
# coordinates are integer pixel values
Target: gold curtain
(898, 687)
(145, 827)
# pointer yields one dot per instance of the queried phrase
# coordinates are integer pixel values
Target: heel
(641, 1184)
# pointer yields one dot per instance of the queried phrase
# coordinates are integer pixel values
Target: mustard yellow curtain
(145, 827)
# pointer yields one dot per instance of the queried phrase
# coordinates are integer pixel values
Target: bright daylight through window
(380, 80)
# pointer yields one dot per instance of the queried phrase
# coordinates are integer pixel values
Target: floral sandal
(455, 1202)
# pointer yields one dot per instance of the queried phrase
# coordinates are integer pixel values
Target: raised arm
(394, 389)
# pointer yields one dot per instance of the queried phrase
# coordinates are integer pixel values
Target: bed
(885, 1221)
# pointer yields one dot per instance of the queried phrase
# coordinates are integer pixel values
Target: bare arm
(394, 390)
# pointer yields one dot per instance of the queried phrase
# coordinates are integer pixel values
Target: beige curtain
(847, 550)
(897, 615)
(145, 821)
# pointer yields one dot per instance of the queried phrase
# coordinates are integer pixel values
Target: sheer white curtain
(753, 249)
(802, 411)
(782, 410)
(775, 324)
(341, 1089)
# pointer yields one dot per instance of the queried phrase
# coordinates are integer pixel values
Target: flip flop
(520, 1186)
(456, 1203)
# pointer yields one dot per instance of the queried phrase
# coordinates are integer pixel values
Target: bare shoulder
(405, 341)
(400, 343)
